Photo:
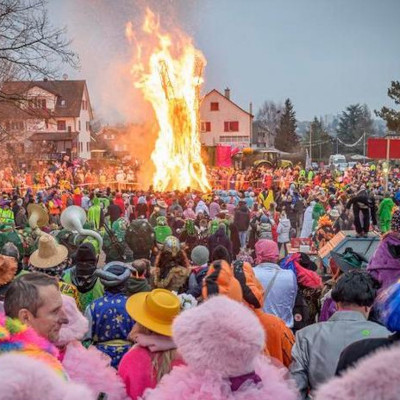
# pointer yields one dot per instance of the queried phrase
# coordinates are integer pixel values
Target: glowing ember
(168, 70)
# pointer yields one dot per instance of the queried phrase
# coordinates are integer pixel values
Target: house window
(87, 147)
(205, 126)
(62, 103)
(14, 126)
(87, 126)
(231, 126)
(69, 129)
(214, 106)
(61, 125)
(84, 105)
(234, 139)
(36, 102)
(79, 125)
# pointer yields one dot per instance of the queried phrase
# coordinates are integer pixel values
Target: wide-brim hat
(162, 204)
(49, 253)
(349, 260)
(154, 310)
(40, 215)
(8, 269)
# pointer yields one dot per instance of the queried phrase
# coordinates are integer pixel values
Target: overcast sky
(323, 54)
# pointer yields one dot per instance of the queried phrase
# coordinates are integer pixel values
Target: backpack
(140, 238)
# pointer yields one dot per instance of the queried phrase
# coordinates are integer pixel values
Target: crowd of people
(119, 293)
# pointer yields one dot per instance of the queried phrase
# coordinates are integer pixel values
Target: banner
(224, 156)
(377, 148)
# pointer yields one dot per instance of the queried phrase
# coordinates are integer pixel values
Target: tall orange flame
(168, 70)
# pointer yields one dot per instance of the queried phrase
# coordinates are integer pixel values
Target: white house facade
(222, 122)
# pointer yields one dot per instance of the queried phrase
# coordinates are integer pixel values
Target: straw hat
(154, 310)
(162, 204)
(8, 269)
(49, 254)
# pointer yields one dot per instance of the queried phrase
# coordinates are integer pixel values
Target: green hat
(349, 260)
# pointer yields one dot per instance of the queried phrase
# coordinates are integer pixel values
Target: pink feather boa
(92, 367)
(183, 383)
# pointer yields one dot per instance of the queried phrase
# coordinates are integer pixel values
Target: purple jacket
(383, 266)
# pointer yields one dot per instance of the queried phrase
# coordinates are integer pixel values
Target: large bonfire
(168, 70)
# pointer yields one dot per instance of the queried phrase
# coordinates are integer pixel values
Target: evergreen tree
(354, 122)
(287, 138)
(321, 141)
(391, 116)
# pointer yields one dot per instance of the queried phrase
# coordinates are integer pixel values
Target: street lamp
(385, 170)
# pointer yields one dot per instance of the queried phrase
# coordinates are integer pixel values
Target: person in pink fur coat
(374, 378)
(26, 378)
(221, 341)
(89, 366)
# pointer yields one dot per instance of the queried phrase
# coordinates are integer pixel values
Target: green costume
(385, 214)
(6, 217)
(94, 213)
(318, 212)
(162, 230)
(88, 297)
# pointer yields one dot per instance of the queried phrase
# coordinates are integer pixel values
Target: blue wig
(389, 306)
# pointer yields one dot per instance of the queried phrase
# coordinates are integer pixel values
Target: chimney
(251, 108)
(228, 93)
(45, 79)
(65, 77)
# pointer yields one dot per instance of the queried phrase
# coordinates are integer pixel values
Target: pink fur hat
(77, 326)
(24, 377)
(220, 335)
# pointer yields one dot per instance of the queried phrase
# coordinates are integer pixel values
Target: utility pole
(310, 143)
(364, 147)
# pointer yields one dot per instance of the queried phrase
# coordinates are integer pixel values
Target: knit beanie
(85, 260)
(200, 255)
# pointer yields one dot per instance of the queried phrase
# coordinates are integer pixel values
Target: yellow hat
(154, 310)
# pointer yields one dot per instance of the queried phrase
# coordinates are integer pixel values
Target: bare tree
(30, 46)
(267, 120)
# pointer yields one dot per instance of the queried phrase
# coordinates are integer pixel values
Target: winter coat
(281, 297)
(114, 212)
(265, 230)
(219, 238)
(137, 371)
(307, 228)
(242, 219)
(363, 201)
(361, 349)
(284, 231)
(375, 378)
(317, 348)
(214, 209)
(383, 266)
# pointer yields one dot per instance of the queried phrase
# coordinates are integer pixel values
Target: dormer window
(37, 102)
(62, 103)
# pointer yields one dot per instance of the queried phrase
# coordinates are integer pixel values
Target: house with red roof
(46, 119)
(223, 122)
